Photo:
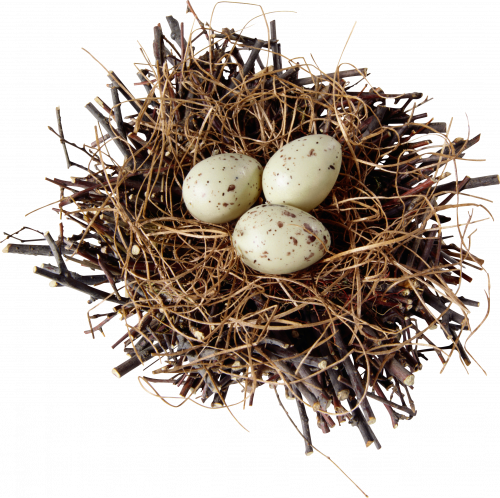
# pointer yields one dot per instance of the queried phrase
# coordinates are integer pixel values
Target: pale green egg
(222, 187)
(277, 239)
(303, 172)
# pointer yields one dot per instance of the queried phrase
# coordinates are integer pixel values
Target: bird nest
(345, 333)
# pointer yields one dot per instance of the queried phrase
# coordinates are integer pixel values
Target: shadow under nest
(345, 333)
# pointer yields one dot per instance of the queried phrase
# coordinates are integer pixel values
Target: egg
(222, 187)
(303, 172)
(279, 239)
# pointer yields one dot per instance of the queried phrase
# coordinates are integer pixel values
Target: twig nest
(303, 172)
(222, 187)
(216, 325)
(279, 239)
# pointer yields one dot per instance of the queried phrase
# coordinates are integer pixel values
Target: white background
(69, 428)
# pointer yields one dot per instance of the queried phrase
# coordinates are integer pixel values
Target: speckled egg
(303, 172)
(222, 187)
(279, 239)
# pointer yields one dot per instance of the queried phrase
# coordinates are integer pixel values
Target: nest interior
(345, 333)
